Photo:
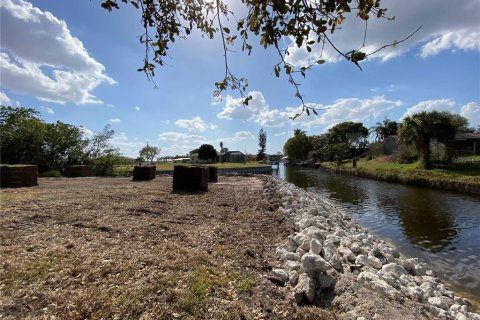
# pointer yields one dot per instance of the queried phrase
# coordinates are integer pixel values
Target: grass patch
(51, 174)
(127, 169)
(452, 178)
(246, 285)
(201, 283)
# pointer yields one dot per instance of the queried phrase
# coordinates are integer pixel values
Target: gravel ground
(116, 249)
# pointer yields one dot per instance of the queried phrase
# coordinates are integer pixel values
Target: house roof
(234, 152)
(467, 136)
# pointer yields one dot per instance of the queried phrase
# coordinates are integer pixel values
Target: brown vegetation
(112, 248)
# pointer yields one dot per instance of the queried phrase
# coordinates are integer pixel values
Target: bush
(51, 174)
(406, 155)
(123, 171)
(105, 165)
(376, 149)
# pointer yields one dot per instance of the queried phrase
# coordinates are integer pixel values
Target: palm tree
(384, 129)
(419, 129)
(298, 131)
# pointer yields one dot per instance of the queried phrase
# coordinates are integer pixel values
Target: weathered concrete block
(79, 171)
(190, 178)
(16, 176)
(142, 173)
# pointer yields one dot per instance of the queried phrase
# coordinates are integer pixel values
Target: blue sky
(75, 62)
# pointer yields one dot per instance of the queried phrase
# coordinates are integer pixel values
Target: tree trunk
(425, 150)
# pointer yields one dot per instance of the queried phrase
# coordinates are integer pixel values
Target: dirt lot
(112, 248)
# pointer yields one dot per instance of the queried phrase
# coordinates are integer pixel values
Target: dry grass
(116, 249)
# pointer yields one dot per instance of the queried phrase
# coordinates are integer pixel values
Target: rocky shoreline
(332, 262)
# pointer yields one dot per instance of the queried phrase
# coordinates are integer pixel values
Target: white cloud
(87, 132)
(195, 125)
(237, 137)
(48, 110)
(36, 44)
(115, 120)
(182, 138)
(348, 109)
(280, 134)
(461, 39)
(257, 111)
(430, 105)
(110, 105)
(128, 146)
(447, 25)
(137, 108)
(4, 99)
(471, 111)
(234, 108)
(165, 122)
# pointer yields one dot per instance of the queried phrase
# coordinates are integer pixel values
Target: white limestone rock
(313, 263)
(368, 261)
(373, 281)
(437, 302)
(325, 280)
(394, 269)
(355, 248)
(291, 265)
(315, 246)
(304, 290)
(347, 254)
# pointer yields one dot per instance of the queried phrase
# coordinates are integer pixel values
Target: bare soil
(111, 248)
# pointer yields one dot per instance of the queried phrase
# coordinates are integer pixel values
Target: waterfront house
(467, 143)
(234, 156)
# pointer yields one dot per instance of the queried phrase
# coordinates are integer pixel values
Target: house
(467, 143)
(234, 156)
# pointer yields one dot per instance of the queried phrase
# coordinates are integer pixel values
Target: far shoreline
(408, 179)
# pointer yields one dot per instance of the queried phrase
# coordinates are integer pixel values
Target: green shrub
(407, 155)
(123, 171)
(105, 165)
(51, 174)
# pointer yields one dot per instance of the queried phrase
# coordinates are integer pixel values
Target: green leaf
(321, 61)
(226, 30)
(134, 4)
(277, 71)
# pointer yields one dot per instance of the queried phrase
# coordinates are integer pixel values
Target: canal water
(439, 227)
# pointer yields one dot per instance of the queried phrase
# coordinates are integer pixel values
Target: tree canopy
(272, 23)
(298, 147)
(149, 152)
(352, 134)
(207, 152)
(262, 143)
(384, 129)
(26, 139)
(419, 129)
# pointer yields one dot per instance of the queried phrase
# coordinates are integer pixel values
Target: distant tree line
(25, 138)
(349, 140)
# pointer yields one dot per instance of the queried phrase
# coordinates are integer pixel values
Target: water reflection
(442, 228)
(425, 221)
